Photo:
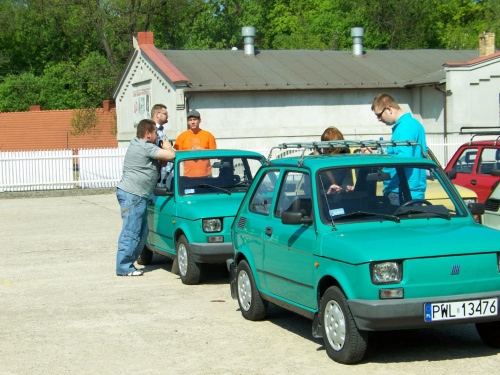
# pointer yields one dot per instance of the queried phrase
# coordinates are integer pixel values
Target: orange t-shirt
(187, 141)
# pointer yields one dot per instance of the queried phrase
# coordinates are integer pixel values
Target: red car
(476, 165)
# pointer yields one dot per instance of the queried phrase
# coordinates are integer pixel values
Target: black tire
(252, 306)
(145, 258)
(175, 266)
(343, 341)
(489, 333)
(189, 271)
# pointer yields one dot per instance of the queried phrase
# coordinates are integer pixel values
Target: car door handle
(269, 231)
(473, 182)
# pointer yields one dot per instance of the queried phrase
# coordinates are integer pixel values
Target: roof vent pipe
(248, 33)
(357, 40)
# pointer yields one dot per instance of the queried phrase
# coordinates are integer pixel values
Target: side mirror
(294, 217)
(495, 172)
(476, 208)
(163, 192)
(451, 174)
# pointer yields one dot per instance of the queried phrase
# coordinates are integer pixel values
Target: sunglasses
(379, 115)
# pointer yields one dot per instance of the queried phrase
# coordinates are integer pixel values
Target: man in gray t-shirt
(140, 174)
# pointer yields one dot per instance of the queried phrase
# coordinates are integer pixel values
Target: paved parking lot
(63, 311)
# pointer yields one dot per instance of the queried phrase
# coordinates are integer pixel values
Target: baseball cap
(193, 113)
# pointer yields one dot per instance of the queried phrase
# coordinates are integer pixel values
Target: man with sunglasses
(159, 115)
(404, 128)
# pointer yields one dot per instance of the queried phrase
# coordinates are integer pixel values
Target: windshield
(224, 175)
(385, 193)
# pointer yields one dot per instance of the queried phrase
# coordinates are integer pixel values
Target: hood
(391, 241)
(199, 207)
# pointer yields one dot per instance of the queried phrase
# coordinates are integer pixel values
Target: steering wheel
(413, 202)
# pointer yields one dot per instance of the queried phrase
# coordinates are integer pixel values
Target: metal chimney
(248, 33)
(357, 40)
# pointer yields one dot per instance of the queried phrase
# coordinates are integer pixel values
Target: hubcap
(335, 329)
(244, 290)
(182, 259)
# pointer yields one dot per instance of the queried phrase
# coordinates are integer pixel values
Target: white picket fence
(98, 168)
(60, 169)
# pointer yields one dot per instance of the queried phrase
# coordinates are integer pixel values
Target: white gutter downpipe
(357, 40)
(248, 33)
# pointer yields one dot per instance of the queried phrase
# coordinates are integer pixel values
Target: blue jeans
(134, 231)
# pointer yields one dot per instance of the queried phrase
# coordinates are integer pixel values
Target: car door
(483, 180)
(288, 249)
(259, 211)
(161, 216)
(465, 166)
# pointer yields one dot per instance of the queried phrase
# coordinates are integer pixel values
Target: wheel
(343, 341)
(188, 269)
(145, 258)
(252, 306)
(489, 333)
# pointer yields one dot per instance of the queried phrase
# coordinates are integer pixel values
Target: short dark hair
(144, 126)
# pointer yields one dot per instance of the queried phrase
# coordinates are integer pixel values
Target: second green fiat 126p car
(191, 210)
(349, 241)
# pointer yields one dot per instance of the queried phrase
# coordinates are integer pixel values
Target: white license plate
(460, 310)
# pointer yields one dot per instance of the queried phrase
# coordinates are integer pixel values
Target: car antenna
(334, 228)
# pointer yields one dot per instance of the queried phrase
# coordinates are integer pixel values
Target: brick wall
(51, 130)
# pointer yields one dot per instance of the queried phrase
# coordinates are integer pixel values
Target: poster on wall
(141, 105)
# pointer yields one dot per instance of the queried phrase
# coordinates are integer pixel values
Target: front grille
(492, 205)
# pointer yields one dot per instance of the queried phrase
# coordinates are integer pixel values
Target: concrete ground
(63, 311)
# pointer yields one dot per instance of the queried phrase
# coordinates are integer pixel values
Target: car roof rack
(475, 131)
(345, 144)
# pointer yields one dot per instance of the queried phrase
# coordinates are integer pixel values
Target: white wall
(260, 120)
(473, 95)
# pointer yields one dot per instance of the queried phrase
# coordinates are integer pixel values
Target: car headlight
(212, 225)
(390, 272)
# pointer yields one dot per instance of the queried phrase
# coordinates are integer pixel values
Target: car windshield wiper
(417, 211)
(213, 187)
(365, 213)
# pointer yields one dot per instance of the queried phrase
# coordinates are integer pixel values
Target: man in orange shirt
(195, 139)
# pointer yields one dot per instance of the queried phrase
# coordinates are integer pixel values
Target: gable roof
(51, 130)
(210, 70)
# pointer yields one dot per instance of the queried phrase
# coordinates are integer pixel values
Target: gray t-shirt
(140, 168)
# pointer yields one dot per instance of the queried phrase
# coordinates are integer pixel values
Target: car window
(216, 175)
(465, 162)
(379, 191)
(295, 194)
(489, 160)
(260, 203)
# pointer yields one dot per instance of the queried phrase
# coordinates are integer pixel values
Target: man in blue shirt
(404, 128)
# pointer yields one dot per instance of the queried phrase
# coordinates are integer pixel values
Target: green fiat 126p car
(349, 241)
(191, 210)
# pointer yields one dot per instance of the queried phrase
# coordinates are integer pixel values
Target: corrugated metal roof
(51, 130)
(210, 70)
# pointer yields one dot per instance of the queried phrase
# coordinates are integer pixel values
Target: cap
(193, 113)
